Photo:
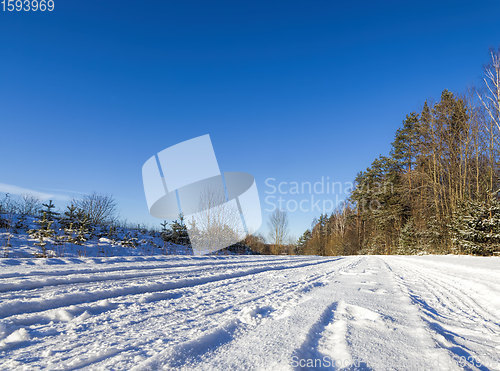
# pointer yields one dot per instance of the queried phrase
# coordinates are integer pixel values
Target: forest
(437, 191)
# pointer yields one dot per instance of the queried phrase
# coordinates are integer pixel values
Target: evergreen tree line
(93, 217)
(90, 219)
(436, 192)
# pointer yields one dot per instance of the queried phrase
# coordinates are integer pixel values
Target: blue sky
(292, 90)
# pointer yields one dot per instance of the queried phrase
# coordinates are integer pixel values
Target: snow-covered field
(250, 312)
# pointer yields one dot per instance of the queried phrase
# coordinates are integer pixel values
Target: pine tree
(409, 243)
(129, 240)
(70, 224)
(404, 147)
(301, 246)
(83, 222)
(433, 235)
(69, 217)
(51, 215)
(45, 230)
(177, 233)
(164, 229)
(164, 233)
(475, 228)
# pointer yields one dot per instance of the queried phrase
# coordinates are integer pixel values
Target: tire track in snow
(67, 313)
(35, 281)
(366, 325)
(310, 348)
(308, 283)
(18, 306)
(359, 307)
(456, 322)
(290, 307)
(47, 267)
(213, 339)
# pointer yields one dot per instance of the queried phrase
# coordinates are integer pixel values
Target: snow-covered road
(251, 312)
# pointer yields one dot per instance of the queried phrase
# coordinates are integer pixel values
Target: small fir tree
(45, 229)
(83, 231)
(177, 233)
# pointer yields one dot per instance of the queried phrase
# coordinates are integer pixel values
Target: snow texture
(250, 312)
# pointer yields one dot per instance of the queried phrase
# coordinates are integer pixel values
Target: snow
(250, 312)
(23, 246)
(17, 243)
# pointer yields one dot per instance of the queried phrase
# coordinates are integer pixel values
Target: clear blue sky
(293, 90)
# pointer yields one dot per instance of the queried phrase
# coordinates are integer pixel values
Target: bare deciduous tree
(217, 225)
(491, 102)
(278, 229)
(29, 205)
(100, 208)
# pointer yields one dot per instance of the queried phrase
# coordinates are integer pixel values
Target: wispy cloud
(16, 190)
(67, 192)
